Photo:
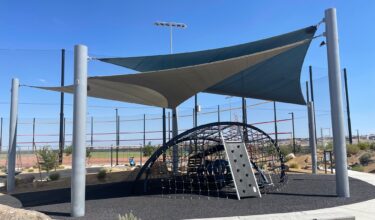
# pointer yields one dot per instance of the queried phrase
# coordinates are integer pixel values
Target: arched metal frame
(186, 136)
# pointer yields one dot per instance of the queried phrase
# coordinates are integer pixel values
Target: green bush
(352, 149)
(365, 159)
(102, 174)
(357, 168)
(68, 150)
(30, 170)
(148, 150)
(88, 152)
(372, 145)
(286, 149)
(364, 145)
(48, 157)
(294, 166)
(54, 176)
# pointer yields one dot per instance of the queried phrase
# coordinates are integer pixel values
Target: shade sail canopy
(267, 69)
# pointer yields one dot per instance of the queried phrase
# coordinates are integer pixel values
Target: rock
(290, 156)
(24, 179)
(9, 213)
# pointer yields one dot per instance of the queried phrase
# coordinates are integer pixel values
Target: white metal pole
(337, 113)
(79, 132)
(312, 137)
(174, 134)
(12, 136)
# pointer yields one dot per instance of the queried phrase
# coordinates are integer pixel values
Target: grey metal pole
(92, 131)
(117, 136)
(307, 92)
(78, 187)
(218, 113)
(358, 136)
(196, 110)
(33, 140)
(337, 113)
(12, 136)
(293, 134)
(312, 138)
(348, 107)
(61, 145)
(312, 98)
(1, 135)
(164, 134)
(275, 122)
(169, 126)
(174, 134)
(144, 137)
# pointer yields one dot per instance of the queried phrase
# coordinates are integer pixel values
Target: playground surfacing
(107, 201)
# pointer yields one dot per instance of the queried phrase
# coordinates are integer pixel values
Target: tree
(148, 149)
(48, 158)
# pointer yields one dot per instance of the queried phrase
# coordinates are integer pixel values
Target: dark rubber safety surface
(107, 201)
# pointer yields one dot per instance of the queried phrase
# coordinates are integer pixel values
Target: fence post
(1, 135)
(275, 122)
(12, 136)
(144, 138)
(312, 137)
(175, 147)
(61, 145)
(78, 186)
(164, 134)
(218, 113)
(92, 131)
(33, 141)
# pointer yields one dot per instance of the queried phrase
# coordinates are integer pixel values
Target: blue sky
(32, 33)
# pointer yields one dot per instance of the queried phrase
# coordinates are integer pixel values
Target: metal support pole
(348, 107)
(244, 120)
(12, 136)
(164, 134)
(293, 134)
(169, 126)
(337, 113)
(1, 135)
(358, 136)
(194, 118)
(78, 186)
(312, 97)
(310, 111)
(33, 140)
(307, 92)
(144, 138)
(117, 136)
(275, 122)
(218, 113)
(92, 131)
(174, 134)
(61, 138)
(196, 110)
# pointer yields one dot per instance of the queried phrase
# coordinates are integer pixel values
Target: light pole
(294, 138)
(171, 25)
(230, 106)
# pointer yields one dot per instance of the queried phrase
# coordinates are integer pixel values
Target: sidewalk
(362, 210)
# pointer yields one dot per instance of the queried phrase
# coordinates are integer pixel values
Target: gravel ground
(107, 201)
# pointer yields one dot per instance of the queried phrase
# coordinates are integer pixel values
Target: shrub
(286, 149)
(88, 152)
(363, 145)
(30, 170)
(352, 149)
(357, 168)
(60, 167)
(68, 150)
(372, 146)
(365, 159)
(54, 176)
(294, 166)
(129, 216)
(48, 158)
(102, 174)
(148, 149)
